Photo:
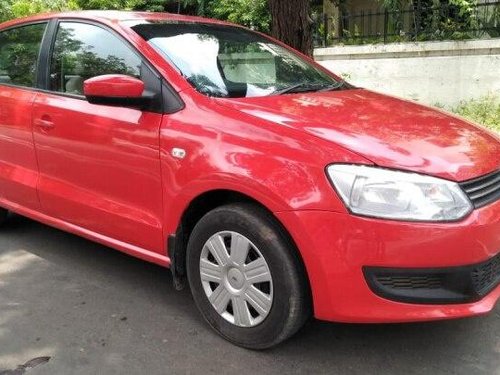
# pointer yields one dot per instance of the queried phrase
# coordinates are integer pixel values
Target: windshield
(228, 61)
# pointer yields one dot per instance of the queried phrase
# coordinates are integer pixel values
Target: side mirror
(116, 90)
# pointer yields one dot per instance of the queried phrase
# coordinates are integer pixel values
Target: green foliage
(465, 6)
(412, 21)
(394, 5)
(322, 31)
(103, 4)
(434, 19)
(145, 5)
(251, 13)
(484, 111)
(150, 6)
(5, 10)
(491, 23)
(21, 8)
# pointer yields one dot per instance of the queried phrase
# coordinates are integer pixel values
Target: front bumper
(338, 249)
(450, 285)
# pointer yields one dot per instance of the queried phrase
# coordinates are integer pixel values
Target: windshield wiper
(289, 88)
(305, 86)
(333, 87)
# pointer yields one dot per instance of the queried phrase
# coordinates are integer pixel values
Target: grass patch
(484, 111)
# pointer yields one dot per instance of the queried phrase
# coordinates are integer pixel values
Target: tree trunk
(292, 24)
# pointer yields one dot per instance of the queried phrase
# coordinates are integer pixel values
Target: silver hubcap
(236, 279)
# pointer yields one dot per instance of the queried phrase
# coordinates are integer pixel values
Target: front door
(19, 51)
(99, 165)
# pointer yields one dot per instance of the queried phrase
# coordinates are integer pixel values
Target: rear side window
(19, 50)
(83, 51)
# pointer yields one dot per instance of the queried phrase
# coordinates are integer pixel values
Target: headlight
(383, 193)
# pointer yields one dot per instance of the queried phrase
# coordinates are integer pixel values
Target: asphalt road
(93, 310)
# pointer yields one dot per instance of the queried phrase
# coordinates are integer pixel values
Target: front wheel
(246, 278)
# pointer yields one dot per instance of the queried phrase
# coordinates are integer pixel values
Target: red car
(276, 189)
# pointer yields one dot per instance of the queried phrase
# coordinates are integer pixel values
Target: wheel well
(200, 206)
(206, 202)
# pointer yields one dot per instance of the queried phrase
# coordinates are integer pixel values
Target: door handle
(44, 124)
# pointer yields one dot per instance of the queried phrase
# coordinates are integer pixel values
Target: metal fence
(416, 22)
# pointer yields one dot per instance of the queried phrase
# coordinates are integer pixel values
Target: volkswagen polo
(273, 188)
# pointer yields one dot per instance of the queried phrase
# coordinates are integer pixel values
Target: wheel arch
(195, 210)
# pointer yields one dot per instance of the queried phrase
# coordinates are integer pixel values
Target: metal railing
(415, 22)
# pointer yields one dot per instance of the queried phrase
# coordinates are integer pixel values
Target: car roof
(112, 16)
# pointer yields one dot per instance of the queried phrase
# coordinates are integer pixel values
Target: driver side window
(83, 51)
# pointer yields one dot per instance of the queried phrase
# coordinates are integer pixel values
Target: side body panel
(100, 168)
(18, 164)
(229, 150)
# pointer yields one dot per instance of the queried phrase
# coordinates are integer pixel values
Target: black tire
(291, 301)
(3, 216)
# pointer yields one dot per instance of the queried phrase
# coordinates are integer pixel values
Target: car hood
(390, 132)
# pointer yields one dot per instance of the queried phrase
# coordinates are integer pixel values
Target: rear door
(99, 165)
(19, 53)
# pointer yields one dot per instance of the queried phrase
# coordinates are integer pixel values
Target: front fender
(278, 166)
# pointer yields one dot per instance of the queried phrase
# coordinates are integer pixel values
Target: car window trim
(58, 22)
(38, 60)
(44, 66)
(49, 48)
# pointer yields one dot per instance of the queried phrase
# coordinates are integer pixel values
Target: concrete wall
(430, 72)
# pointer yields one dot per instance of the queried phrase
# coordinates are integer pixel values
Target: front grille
(483, 190)
(486, 276)
(411, 282)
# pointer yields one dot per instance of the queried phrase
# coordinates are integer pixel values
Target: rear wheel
(3, 216)
(246, 278)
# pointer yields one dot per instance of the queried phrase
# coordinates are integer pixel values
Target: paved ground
(96, 311)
